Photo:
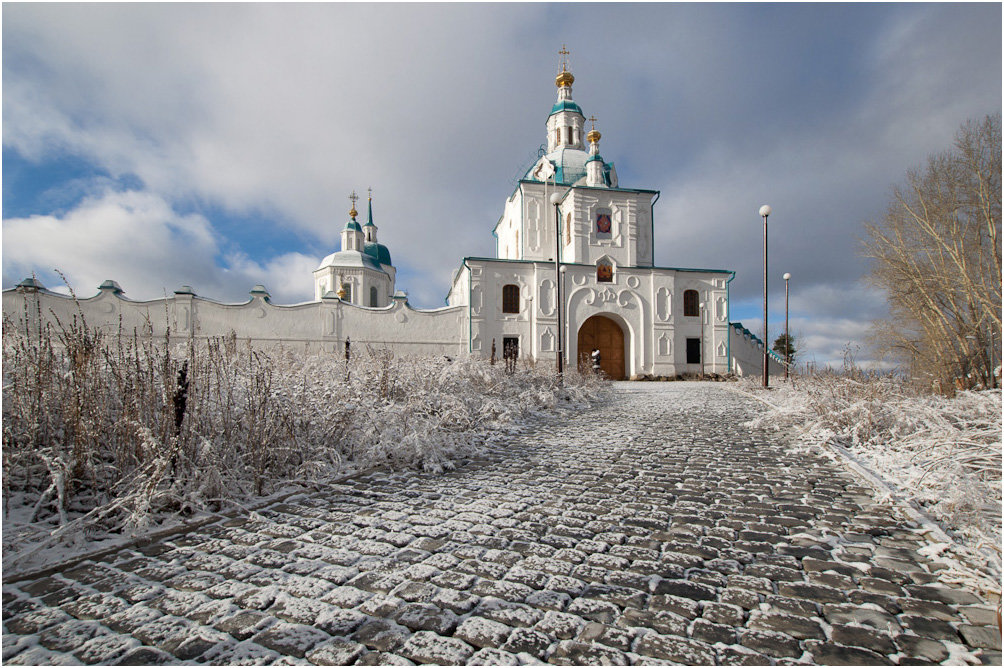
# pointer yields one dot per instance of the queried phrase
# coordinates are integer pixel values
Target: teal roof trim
(353, 225)
(566, 105)
(582, 264)
(594, 158)
(627, 190)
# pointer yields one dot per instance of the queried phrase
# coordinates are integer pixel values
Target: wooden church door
(599, 332)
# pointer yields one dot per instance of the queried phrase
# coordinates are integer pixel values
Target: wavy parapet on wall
(315, 326)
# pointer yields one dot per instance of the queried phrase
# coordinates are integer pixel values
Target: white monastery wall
(312, 326)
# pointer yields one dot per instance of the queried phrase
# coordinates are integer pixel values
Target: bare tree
(937, 256)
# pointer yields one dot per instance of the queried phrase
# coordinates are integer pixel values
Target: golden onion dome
(593, 136)
(564, 79)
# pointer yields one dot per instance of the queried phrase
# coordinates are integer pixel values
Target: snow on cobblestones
(942, 454)
(652, 528)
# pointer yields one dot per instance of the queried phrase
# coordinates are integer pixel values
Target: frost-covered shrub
(107, 429)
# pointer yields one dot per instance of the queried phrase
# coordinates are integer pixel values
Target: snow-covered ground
(943, 455)
(98, 447)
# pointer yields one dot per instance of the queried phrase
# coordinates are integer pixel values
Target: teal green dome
(353, 225)
(566, 105)
(378, 252)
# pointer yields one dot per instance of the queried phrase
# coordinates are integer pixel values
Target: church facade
(570, 226)
(574, 272)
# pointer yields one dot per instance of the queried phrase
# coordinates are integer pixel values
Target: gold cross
(592, 119)
(564, 58)
(370, 191)
(354, 197)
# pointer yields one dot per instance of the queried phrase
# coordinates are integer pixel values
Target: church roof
(566, 105)
(353, 225)
(569, 165)
(378, 252)
(351, 258)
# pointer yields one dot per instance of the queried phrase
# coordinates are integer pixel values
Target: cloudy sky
(216, 145)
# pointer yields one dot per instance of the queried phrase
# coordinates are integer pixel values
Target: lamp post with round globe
(764, 212)
(556, 201)
(787, 339)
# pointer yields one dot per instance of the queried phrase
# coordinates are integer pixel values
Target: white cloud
(134, 238)
(139, 241)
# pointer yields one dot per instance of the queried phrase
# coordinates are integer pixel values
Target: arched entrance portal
(606, 335)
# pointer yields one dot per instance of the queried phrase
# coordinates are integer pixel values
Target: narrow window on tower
(569, 135)
(557, 136)
(568, 228)
(373, 296)
(690, 299)
(510, 298)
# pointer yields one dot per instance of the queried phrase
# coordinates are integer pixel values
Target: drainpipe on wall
(728, 324)
(470, 323)
(651, 217)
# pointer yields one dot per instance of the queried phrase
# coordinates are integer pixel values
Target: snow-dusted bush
(106, 430)
(943, 454)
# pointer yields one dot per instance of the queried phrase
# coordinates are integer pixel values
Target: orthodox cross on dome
(354, 197)
(369, 191)
(564, 78)
(594, 134)
(564, 58)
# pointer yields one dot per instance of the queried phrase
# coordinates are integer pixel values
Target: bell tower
(565, 124)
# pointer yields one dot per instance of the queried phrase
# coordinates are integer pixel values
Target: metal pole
(766, 356)
(701, 312)
(787, 341)
(557, 289)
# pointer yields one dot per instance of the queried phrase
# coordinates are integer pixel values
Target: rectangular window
(510, 298)
(691, 307)
(510, 347)
(693, 351)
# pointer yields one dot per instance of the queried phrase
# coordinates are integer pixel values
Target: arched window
(557, 135)
(510, 298)
(690, 299)
(347, 287)
(373, 296)
(604, 272)
(569, 135)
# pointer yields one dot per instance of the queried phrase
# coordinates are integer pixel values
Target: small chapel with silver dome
(362, 272)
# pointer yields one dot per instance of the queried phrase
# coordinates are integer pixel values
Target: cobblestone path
(654, 529)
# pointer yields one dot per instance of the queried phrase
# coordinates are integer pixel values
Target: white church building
(574, 270)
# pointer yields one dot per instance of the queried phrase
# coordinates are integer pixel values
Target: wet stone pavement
(654, 529)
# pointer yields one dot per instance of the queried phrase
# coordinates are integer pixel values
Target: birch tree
(937, 255)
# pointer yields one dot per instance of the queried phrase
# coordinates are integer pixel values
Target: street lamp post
(556, 201)
(764, 212)
(787, 339)
(701, 311)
